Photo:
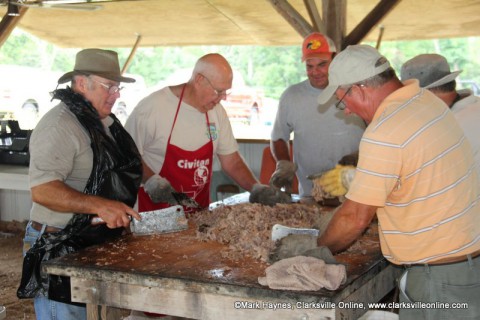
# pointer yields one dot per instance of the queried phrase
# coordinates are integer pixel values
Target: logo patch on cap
(314, 44)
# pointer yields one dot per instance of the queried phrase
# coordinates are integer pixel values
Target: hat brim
(114, 77)
(326, 94)
(448, 78)
(321, 55)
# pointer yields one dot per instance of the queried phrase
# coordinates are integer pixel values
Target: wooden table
(176, 274)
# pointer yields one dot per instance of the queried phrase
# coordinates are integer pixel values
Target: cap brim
(68, 76)
(327, 94)
(448, 78)
(322, 55)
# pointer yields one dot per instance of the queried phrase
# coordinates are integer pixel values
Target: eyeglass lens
(219, 93)
(111, 89)
(340, 105)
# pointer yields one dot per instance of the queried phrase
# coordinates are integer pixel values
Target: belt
(447, 260)
(38, 226)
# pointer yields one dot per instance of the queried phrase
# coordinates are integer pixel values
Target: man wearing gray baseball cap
(82, 163)
(433, 73)
(416, 174)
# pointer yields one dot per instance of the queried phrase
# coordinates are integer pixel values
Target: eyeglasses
(219, 93)
(340, 105)
(112, 89)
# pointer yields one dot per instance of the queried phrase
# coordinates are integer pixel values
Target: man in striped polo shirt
(416, 173)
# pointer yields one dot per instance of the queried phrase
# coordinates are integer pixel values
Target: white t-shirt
(467, 113)
(151, 121)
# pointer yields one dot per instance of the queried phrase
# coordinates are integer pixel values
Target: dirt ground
(11, 236)
(11, 260)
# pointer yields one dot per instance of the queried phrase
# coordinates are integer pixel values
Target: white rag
(304, 274)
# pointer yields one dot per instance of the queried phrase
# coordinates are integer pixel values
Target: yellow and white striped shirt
(416, 164)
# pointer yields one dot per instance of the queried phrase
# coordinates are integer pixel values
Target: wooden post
(132, 53)
(9, 23)
(334, 17)
(292, 16)
(372, 18)
(317, 21)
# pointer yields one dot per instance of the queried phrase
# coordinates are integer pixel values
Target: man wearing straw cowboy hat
(82, 162)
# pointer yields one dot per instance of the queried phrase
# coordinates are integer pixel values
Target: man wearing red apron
(179, 128)
(187, 171)
(177, 131)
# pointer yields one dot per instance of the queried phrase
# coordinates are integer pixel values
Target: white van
(25, 93)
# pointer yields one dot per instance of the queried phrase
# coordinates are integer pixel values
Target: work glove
(268, 195)
(349, 160)
(283, 175)
(159, 190)
(300, 245)
(336, 182)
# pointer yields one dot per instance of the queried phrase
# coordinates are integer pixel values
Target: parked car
(25, 93)
(243, 104)
(130, 95)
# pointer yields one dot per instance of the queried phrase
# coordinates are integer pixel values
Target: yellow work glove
(337, 181)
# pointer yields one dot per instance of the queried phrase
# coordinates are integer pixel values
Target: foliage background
(271, 68)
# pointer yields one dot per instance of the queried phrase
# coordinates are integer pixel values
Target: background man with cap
(63, 147)
(433, 72)
(179, 128)
(322, 134)
(416, 173)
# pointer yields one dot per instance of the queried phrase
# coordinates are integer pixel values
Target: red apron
(187, 171)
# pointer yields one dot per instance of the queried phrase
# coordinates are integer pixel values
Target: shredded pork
(246, 228)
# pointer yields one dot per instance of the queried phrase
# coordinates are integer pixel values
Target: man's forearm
(235, 167)
(280, 150)
(346, 226)
(59, 197)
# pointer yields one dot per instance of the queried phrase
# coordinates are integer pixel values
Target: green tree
(272, 69)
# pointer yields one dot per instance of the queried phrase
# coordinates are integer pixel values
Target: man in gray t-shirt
(62, 159)
(322, 134)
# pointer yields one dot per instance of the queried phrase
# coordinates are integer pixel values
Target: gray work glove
(300, 245)
(267, 195)
(283, 175)
(159, 190)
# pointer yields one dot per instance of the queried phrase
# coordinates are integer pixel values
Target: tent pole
(132, 53)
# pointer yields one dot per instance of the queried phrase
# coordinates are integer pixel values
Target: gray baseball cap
(432, 70)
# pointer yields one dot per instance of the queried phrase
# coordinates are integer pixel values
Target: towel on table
(303, 273)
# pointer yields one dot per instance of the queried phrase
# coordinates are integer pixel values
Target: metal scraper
(185, 200)
(166, 220)
(279, 231)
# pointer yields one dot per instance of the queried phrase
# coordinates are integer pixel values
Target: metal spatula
(279, 231)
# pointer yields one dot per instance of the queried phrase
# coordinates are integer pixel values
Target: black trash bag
(116, 175)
